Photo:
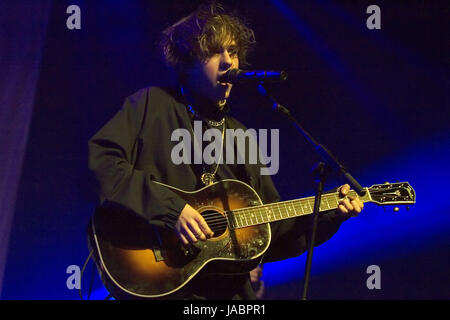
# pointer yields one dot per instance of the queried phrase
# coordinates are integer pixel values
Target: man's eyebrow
(231, 44)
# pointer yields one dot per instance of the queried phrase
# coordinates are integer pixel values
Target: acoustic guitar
(137, 260)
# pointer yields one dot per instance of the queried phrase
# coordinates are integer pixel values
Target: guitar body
(137, 260)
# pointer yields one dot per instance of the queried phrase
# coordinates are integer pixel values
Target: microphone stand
(322, 170)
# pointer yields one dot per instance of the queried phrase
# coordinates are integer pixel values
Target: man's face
(202, 77)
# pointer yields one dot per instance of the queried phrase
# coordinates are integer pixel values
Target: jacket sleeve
(112, 154)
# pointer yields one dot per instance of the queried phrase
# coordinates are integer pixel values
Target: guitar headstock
(392, 193)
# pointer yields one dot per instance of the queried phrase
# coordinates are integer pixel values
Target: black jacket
(133, 150)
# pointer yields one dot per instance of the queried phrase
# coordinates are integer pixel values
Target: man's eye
(232, 51)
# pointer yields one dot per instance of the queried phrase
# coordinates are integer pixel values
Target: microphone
(240, 76)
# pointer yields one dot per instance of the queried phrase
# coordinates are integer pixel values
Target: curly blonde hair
(201, 34)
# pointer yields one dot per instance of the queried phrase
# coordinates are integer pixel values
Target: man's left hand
(349, 206)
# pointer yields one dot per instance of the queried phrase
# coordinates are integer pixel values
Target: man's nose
(226, 61)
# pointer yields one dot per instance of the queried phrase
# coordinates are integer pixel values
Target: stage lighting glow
(380, 233)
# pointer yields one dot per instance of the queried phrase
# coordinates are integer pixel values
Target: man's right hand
(191, 226)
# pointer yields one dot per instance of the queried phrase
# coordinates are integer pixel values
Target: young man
(131, 154)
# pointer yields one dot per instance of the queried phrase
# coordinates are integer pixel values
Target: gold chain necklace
(207, 177)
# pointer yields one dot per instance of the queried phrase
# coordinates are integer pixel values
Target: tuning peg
(396, 209)
(407, 208)
(386, 182)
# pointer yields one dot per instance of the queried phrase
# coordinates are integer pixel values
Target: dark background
(378, 99)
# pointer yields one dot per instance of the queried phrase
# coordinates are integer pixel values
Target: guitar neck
(251, 216)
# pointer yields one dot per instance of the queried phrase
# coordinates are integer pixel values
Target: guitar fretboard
(251, 216)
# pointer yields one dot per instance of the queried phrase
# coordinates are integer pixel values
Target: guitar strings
(260, 212)
(216, 219)
(267, 213)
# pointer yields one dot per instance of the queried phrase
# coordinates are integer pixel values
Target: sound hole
(216, 221)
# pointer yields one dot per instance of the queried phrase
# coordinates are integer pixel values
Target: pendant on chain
(208, 178)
